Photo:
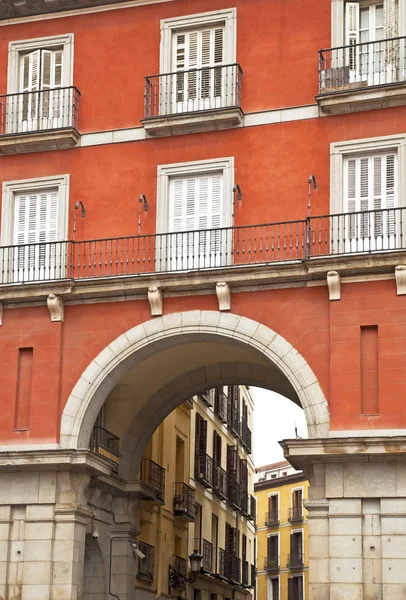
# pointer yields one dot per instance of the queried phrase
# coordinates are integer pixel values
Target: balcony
(179, 573)
(106, 444)
(205, 475)
(146, 565)
(253, 576)
(153, 475)
(295, 514)
(206, 550)
(222, 563)
(272, 519)
(208, 397)
(184, 504)
(41, 120)
(220, 406)
(245, 574)
(244, 503)
(193, 101)
(220, 484)
(272, 564)
(246, 436)
(233, 418)
(252, 508)
(234, 493)
(295, 561)
(234, 569)
(362, 76)
(111, 265)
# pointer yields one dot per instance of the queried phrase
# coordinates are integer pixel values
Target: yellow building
(282, 533)
(200, 457)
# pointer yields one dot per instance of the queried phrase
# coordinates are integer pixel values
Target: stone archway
(195, 327)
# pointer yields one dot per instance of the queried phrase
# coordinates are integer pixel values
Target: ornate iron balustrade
(271, 518)
(220, 405)
(245, 573)
(246, 436)
(271, 563)
(206, 470)
(234, 569)
(184, 504)
(42, 110)
(206, 550)
(192, 91)
(106, 444)
(222, 563)
(319, 236)
(146, 565)
(154, 475)
(359, 66)
(233, 417)
(295, 561)
(220, 483)
(295, 514)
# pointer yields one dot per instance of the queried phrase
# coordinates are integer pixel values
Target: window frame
(16, 48)
(270, 579)
(339, 151)
(277, 494)
(10, 188)
(301, 531)
(201, 167)
(198, 21)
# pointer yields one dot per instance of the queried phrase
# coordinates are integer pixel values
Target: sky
(275, 418)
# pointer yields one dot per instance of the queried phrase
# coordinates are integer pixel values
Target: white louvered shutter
(352, 33)
(30, 82)
(36, 222)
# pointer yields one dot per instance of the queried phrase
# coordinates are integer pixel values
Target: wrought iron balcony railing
(253, 576)
(364, 65)
(320, 236)
(206, 550)
(246, 436)
(220, 485)
(296, 514)
(222, 563)
(106, 444)
(295, 561)
(208, 397)
(179, 572)
(252, 508)
(234, 493)
(233, 418)
(205, 475)
(184, 504)
(234, 569)
(42, 110)
(271, 563)
(154, 475)
(192, 91)
(146, 565)
(271, 518)
(245, 574)
(220, 405)
(244, 503)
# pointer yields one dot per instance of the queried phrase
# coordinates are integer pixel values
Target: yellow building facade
(200, 456)
(282, 533)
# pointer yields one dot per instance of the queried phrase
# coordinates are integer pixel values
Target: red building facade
(202, 175)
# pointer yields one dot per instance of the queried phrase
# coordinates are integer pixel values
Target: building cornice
(279, 482)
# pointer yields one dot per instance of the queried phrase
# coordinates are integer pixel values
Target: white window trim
(17, 47)
(338, 18)
(10, 188)
(269, 585)
(341, 150)
(200, 167)
(169, 26)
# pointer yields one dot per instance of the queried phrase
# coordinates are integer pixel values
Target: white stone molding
(55, 307)
(334, 285)
(132, 347)
(1, 313)
(223, 292)
(155, 300)
(400, 276)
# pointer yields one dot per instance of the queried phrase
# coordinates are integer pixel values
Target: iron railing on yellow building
(146, 565)
(184, 503)
(154, 475)
(220, 484)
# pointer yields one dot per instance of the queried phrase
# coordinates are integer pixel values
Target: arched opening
(94, 579)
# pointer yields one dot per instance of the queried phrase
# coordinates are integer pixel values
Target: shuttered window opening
(35, 225)
(371, 184)
(196, 214)
(199, 85)
(200, 446)
(41, 74)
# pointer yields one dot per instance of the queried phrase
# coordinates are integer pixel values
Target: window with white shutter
(371, 191)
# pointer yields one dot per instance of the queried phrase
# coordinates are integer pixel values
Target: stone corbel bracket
(155, 300)
(1, 313)
(223, 293)
(400, 276)
(56, 308)
(334, 285)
